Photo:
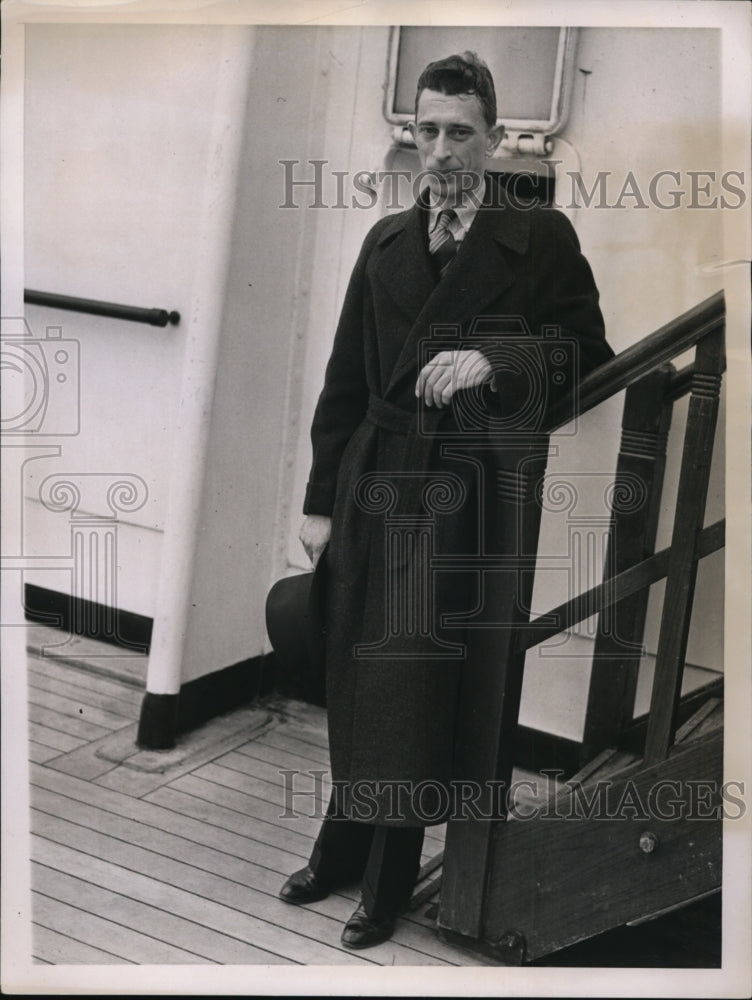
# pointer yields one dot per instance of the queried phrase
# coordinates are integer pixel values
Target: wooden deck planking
(105, 934)
(222, 904)
(269, 762)
(40, 754)
(413, 944)
(100, 693)
(277, 757)
(191, 867)
(309, 805)
(264, 774)
(230, 819)
(75, 708)
(236, 808)
(247, 783)
(138, 777)
(80, 674)
(188, 935)
(183, 866)
(223, 849)
(282, 834)
(250, 807)
(83, 762)
(256, 766)
(77, 727)
(283, 739)
(61, 949)
(205, 846)
(54, 738)
(307, 794)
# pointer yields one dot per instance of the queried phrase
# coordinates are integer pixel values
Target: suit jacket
(406, 484)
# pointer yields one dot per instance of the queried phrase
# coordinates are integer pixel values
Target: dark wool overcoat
(401, 480)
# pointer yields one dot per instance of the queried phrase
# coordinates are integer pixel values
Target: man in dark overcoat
(437, 339)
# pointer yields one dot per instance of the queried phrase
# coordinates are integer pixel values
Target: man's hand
(314, 534)
(450, 371)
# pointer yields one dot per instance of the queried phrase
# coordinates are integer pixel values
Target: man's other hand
(314, 534)
(450, 371)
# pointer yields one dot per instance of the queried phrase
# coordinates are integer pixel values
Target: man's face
(453, 142)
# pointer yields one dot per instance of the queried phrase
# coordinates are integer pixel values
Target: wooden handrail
(677, 336)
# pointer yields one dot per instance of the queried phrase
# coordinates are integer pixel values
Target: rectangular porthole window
(531, 67)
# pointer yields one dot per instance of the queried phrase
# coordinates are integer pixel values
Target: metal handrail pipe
(94, 307)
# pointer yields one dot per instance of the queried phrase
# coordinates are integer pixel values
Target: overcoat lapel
(404, 267)
(479, 274)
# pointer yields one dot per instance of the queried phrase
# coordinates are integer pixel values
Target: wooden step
(706, 719)
(622, 845)
(613, 762)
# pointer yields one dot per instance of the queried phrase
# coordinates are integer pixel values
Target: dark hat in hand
(296, 624)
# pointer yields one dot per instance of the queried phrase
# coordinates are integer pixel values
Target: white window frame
(523, 135)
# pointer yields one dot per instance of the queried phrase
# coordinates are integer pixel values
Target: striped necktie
(442, 244)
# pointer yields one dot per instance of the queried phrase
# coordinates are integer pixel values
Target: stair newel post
(492, 681)
(635, 510)
(688, 521)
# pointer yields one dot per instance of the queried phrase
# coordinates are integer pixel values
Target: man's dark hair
(461, 74)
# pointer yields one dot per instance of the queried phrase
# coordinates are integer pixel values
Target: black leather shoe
(303, 887)
(362, 931)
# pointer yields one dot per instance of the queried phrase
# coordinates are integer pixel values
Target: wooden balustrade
(490, 697)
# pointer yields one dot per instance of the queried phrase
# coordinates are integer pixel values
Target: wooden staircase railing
(476, 907)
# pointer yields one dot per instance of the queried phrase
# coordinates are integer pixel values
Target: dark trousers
(385, 858)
